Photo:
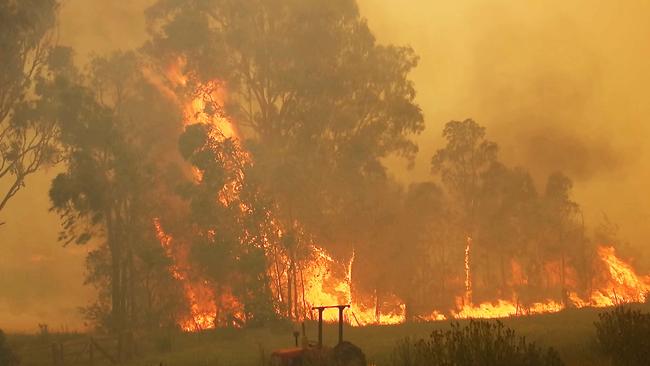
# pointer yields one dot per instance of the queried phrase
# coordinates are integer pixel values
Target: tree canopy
(28, 59)
(318, 117)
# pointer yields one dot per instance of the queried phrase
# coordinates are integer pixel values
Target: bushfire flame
(323, 280)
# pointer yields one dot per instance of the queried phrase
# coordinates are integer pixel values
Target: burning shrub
(623, 335)
(479, 343)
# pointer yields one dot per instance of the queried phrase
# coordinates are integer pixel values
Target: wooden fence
(85, 351)
(77, 351)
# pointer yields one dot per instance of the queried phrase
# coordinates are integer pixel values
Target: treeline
(319, 105)
(521, 243)
(319, 102)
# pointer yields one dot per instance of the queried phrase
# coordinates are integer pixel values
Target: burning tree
(317, 117)
(463, 165)
(233, 226)
(528, 251)
(232, 171)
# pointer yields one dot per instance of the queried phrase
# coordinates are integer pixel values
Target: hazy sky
(561, 85)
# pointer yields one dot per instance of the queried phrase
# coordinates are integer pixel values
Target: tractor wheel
(347, 354)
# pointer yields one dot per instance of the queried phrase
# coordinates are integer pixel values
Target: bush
(7, 357)
(481, 343)
(623, 335)
(163, 342)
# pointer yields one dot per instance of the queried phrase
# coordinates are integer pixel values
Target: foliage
(233, 224)
(111, 190)
(479, 343)
(623, 335)
(463, 162)
(319, 106)
(513, 226)
(29, 65)
(318, 117)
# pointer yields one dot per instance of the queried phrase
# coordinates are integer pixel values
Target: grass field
(570, 332)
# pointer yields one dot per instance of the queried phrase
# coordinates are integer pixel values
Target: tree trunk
(130, 301)
(290, 290)
(502, 269)
(305, 311)
(295, 291)
(117, 309)
(563, 280)
(377, 307)
(217, 305)
(278, 277)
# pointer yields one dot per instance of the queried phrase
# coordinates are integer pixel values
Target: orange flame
(624, 284)
(324, 281)
(199, 295)
(323, 288)
(201, 103)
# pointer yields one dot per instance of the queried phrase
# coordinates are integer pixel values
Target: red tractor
(343, 354)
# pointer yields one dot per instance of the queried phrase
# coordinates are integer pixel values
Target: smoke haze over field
(560, 85)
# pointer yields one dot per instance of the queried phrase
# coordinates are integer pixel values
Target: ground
(571, 332)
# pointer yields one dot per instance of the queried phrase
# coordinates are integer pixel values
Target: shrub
(7, 357)
(623, 335)
(163, 342)
(480, 343)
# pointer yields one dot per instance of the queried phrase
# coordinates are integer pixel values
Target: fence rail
(85, 351)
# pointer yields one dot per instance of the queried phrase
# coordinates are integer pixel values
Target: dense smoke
(556, 85)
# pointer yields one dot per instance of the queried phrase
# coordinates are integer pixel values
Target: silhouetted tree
(112, 188)
(462, 165)
(508, 222)
(563, 225)
(27, 133)
(419, 243)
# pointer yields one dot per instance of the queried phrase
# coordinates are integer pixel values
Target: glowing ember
(503, 309)
(434, 316)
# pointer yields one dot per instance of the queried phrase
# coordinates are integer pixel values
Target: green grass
(571, 332)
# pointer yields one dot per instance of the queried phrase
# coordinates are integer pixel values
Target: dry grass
(570, 332)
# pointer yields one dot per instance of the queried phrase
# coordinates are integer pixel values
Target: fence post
(91, 352)
(55, 356)
(61, 353)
